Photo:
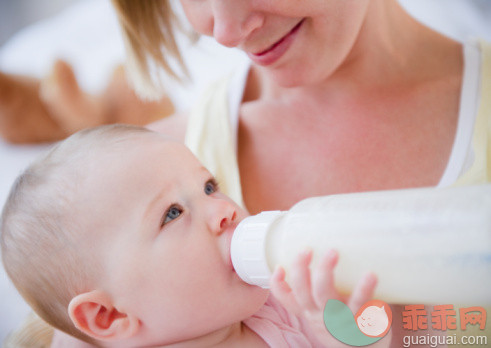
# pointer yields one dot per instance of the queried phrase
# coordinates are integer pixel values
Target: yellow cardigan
(480, 171)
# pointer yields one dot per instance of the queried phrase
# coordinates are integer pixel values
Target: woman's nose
(221, 214)
(233, 21)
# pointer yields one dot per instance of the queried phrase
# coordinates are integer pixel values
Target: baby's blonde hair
(40, 227)
(149, 31)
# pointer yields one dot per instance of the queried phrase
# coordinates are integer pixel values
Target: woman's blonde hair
(149, 30)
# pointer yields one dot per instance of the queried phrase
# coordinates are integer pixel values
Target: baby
(120, 237)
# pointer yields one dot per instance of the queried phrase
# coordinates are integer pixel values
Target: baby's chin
(259, 297)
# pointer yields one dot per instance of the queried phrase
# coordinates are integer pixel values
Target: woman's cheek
(199, 15)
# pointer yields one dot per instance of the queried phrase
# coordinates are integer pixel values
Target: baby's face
(164, 229)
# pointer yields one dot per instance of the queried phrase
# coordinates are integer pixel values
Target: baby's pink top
(278, 328)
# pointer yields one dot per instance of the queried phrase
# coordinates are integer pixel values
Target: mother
(340, 96)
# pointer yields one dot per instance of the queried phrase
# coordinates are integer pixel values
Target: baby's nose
(221, 216)
(226, 221)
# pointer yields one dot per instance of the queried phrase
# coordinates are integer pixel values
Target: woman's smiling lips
(276, 50)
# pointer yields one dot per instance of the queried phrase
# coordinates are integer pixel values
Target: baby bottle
(429, 245)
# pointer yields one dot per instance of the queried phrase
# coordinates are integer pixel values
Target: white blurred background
(33, 33)
(16, 14)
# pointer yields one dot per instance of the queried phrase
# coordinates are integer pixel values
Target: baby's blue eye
(211, 187)
(173, 213)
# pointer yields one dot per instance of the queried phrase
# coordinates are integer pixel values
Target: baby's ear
(93, 313)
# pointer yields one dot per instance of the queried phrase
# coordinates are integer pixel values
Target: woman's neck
(392, 49)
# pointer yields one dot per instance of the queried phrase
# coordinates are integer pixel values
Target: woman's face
(298, 42)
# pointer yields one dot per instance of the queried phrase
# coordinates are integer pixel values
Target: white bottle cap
(248, 248)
